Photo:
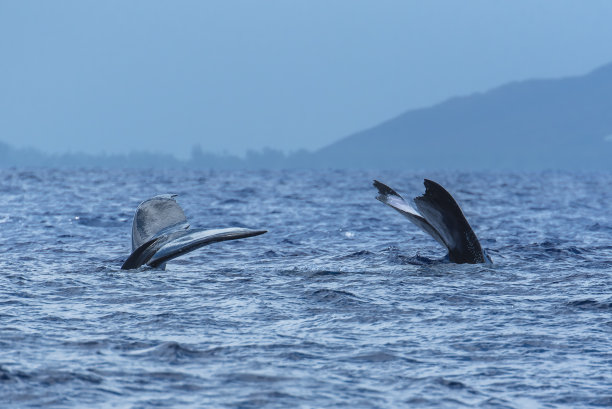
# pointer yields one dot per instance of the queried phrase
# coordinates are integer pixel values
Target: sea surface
(342, 304)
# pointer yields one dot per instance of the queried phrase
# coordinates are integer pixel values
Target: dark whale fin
(141, 255)
(391, 198)
(194, 239)
(440, 216)
(160, 233)
(444, 214)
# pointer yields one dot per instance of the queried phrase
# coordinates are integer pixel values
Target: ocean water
(343, 303)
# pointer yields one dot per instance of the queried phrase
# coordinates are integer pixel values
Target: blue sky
(114, 76)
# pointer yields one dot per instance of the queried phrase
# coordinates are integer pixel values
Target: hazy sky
(113, 76)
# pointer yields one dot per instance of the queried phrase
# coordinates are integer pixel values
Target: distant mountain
(537, 124)
(530, 125)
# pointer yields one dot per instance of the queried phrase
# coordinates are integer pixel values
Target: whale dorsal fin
(156, 216)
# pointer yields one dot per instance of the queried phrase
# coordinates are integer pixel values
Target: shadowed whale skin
(160, 232)
(438, 214)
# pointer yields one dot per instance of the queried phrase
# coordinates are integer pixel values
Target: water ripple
(342, 304)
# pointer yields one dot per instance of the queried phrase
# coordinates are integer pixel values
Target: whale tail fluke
(445, 215)
(160, 233)
(196, 238)
(392, 199)
(440, 216)
(154, 216)
(384, 191)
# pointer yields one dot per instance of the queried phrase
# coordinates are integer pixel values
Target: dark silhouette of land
(537, 124)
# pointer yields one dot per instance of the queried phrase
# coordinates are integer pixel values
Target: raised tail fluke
(444, 214)
(440, 216)
(194, 239)
(160, 233)
(392, 199)
(156, 216)
(384, 191)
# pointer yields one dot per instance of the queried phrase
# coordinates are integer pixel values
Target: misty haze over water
(532, 125)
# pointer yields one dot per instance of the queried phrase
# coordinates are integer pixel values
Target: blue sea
(342, 304)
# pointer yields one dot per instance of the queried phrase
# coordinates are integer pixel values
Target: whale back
(158, 215)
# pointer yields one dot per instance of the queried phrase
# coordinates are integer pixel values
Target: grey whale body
(438, 214)
(160, 233)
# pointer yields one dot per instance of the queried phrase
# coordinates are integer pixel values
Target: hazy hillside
(555, 123)
(538, 124)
